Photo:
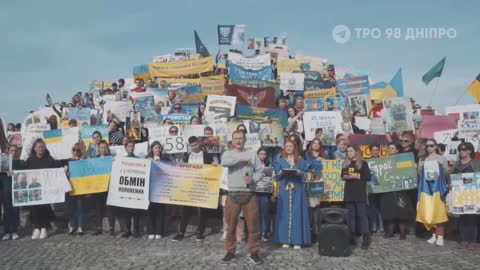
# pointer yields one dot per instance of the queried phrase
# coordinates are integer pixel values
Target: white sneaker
(158, 236)
(433, 239)
(71, 230)
(285, 246)
(151, 236)
(80, 230)
(6, 237)
(15, 236)
(297, 247)
(439, 241)
(43, 233)
(36, 234)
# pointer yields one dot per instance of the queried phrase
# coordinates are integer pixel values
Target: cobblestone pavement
(63, 251)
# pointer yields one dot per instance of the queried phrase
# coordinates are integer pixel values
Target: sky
(59, 47)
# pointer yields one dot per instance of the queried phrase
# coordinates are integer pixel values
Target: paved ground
(63, 251)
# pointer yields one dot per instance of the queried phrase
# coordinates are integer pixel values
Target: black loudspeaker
(334, 240)
(333, 215)
(333, 232)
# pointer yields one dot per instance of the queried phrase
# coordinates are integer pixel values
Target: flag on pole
(397, 83)
(201, 49)
(474, 89)
(434, 72)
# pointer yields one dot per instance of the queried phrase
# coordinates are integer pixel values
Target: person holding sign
(468, 225)
(241, 186)
(156, 211)
(41, 215)
(356, 174)
(432, 190)
(292, 225)
(196, 156)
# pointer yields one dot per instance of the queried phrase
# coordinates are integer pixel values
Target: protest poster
(81, 115)
(291, 81)
(90, 176)
(222, 105)
(431, 170)
(6, 162)
(159, 133)
(141, 72)
(236, 72)
(252, 142)
(141, 150)
(134, 126)
(250, 96)
(33, 132)
(271, 135)
(252, 63)
(262, 115)
(259, 84)
(212, 144)
(177, 118)
(175, 145)
(354, 85)
(320, 93)
(332, 178)
(212, 85)
(162, 58)
(309, 85)
(392, 173)
(330, 122)
(469, 128)
(59, 142)
(118, 109)
(434, 123)
(193, 130)
(267, 41)
(360, 103)
(367, 140)
(86, 133)
(41, 186)
(129, 183)
(146, 107)
(399, 115)
(159, 95)
(465, 193)
(470, 111)
(324, 104)
(314, 63)
(377, 127)
(225, 33)
(181, 68)
(238, 36)
(363, 122)
(195, 185)
(189, 94)
(287, 65)
(279, 52)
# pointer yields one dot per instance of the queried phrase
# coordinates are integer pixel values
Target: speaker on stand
(333, 232)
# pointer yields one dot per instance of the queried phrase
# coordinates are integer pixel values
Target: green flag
(201, 49)
(435, 71)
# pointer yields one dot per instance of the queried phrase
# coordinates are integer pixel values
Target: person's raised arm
(231, 158)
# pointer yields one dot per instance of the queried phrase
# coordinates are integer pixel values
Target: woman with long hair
(356, 173)
(263, 178)
(292, 225)
(75, 203)
(156, 211)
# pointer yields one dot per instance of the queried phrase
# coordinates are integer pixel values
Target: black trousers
(186, 212)
(10, 214)
(101, 208)
(156, 219)
(129, 215)
(41, 215)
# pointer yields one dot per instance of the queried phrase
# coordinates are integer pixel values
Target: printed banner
(469, 128)
(271, 135)
(377, 126)
(262, 115)
(256, 97)
(225, 33)
(287, 65)
(291, 81)
(465, 193)
(392, 173)
(90, 176)
(238, 34)
(366, 140)
(280, 52)
(130, 183)
(330, 122)
(253, 63)
(324, 104)
(212, 144)
(236, 72)
(445, 137)
(82, 115)
(43, 186)
(360, 103)
(174, 145)
(314, 85)
(252, 142)
(399, 114)
(461, 112)
(119, 109)
(195, 185)
(146, 107)
(181, 68)
(313, 63)
(434, 123)
(59, 142)
(223, 106)
(86, 133)
(320, 93)
(332, 179)
(354, 85)
(177, 118)
(213, 85)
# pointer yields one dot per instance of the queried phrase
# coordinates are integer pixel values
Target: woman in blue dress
(292, 226)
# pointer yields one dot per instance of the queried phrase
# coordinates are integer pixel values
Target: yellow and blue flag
(382, 90)
(403, 161)
(474, 89)
(431, 209)
(52, 136)
(90, 175)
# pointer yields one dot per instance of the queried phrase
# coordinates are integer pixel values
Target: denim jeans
(76, 214)
(263, 210)
(357, 210)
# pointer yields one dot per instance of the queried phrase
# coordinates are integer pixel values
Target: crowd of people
(284, 213)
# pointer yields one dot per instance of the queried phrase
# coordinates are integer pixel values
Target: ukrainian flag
(52, 136)
(382, 90)
(431, 209)
(474, 89)
(404, 160)
(141, 72)
(90, 176)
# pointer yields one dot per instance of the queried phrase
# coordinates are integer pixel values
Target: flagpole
(434, 91)
(461, 97)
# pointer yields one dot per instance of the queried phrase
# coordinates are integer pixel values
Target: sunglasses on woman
(430, 145)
